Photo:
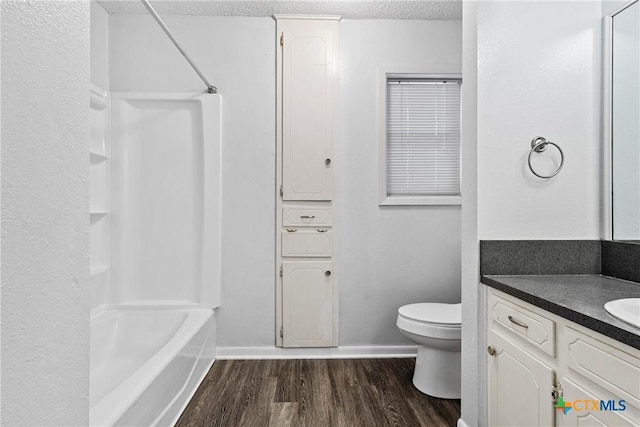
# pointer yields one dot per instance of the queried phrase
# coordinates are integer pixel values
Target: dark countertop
(578, 298)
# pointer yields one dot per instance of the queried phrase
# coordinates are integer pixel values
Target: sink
(627, 310)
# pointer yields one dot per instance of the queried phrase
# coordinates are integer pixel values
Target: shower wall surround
(99, 201)
(99, 153)
(238, 56)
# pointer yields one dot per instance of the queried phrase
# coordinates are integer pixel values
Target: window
(422, 141)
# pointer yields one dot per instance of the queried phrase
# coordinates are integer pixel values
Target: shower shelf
(98, 214)
(96, 270)
(99, 99)
(95, 157)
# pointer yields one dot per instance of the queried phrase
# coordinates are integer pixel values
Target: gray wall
(387, 256)
(45, 206)
(392, 255)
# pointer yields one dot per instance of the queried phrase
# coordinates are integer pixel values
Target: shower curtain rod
(210, 87)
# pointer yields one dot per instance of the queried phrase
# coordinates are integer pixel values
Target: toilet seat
(435, 320)
(434, 313)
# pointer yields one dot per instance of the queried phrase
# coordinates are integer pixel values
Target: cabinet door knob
(491, 350)
(327, 162)
(327, 273)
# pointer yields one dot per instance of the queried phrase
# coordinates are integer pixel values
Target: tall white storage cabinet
(307, 90)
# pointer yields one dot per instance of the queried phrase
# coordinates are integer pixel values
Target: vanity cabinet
(573, 392)
(307, 81)
(535, 358)
(518, 384)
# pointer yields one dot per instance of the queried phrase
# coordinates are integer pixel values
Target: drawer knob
(327, 162)
(517, 322)
(327, 273)
(491, 350)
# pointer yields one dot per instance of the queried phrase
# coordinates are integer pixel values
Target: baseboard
(461, 423)
(343, 352)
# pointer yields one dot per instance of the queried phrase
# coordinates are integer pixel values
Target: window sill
(421, 201)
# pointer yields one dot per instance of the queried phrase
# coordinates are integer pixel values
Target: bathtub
(146, 364)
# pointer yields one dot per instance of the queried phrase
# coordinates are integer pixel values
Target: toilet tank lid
(430, 312)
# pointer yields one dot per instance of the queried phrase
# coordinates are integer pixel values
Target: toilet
(436, 329)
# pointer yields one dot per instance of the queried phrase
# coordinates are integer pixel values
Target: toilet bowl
(436, 328)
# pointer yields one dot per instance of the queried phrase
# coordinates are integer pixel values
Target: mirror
(625, 123)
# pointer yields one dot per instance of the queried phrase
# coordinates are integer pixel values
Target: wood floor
(323, 393)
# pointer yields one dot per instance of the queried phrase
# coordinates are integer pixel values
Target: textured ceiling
(349, 9)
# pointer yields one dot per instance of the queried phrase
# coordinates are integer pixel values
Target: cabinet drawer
(297, 216)
(613, 369)
(307, 243)
(531, 327)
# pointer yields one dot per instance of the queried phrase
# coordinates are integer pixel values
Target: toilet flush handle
(491, 350)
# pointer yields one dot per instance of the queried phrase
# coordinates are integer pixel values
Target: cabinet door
(614, 370)
(307, 292)
(307, 115)
(519, 386)
(584, 414)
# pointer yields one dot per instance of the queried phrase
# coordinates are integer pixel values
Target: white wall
(387, 256)
(99, 46)
(538, 73)
(45, 203)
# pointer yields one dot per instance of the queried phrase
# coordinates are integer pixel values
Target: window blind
(423, 137)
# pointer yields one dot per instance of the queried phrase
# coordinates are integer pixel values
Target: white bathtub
(146, 364)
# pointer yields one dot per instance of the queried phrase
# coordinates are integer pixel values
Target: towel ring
(539, 144)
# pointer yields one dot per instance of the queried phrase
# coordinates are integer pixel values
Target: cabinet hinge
(282, 39)
(281, 332)
(556, 392)
(281, 191)
(280, 271)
